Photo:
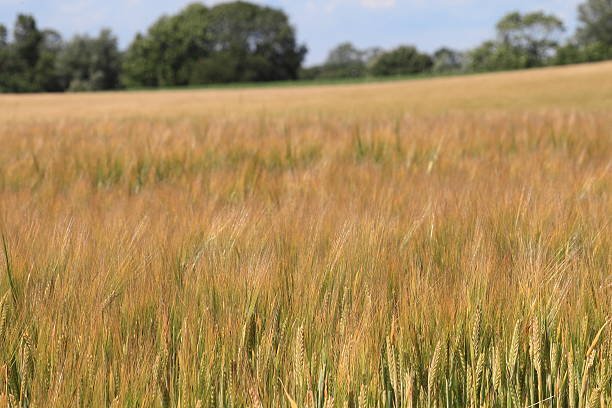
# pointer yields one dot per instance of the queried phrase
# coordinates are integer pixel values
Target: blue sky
(320, 24)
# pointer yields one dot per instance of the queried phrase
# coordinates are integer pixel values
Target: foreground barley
(297, 254)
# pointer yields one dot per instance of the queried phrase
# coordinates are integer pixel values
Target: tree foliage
(523, 41)
(594, 34)
(495, 56)
(164, 55)
(344, 61)
(3, 36)
(234, 42)
(259, 40)
(89, 64)
(241, 41)
(347, 61)
(447, 60)
(403, 60)
(595, 17)
(28, 62)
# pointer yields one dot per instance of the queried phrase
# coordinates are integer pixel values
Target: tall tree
(28, 62)
(259, 41)
(344, 61)
(90, 63)
(447, 60)
(5, 59)
(534, 35)
(3, 36)
(46, 77)
(523, 41)
(595, 18)
(495, 56)
(164, 56)
(404, 60)
(27, 39)
(344, 53)
(236, 41)
(371, 55)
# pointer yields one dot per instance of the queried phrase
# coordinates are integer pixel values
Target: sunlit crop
(434, 243)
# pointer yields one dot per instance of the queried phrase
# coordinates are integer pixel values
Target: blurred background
(88, 45)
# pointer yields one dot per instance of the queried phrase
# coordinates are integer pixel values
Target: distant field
(429, 243)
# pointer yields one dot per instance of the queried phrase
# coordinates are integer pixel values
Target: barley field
(431, 243)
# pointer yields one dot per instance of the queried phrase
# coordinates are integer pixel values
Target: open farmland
(433, 243)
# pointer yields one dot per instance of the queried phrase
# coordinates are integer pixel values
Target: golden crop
(432, 243)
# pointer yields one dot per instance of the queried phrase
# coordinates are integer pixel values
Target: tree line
(245, 42)
(522, 41)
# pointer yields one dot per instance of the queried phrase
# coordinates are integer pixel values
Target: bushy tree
(311, 73)
(163, 56)
(404, 60)
(258, 40)
(371, 55)
(569, 53)
(447, 60)
(28, 62)
(27, 39)
(593, 40)
(46, 77)
(574, 52)
(5, 61)
(344, 61)
(344, 53)
(90, 63)
(595, 17)
(236, 41)
(523, 41)
(3, 36)
(534, 35)
(495, 56)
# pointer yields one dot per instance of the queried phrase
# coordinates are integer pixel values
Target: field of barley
(430, 243)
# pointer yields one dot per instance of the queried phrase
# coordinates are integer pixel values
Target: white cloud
(330, 6)
(378, 3)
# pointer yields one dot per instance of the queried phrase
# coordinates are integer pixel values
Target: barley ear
(497, 370)
(363, 398)
(3, 314)
(434, 367)
(476, 332)
(514, 349)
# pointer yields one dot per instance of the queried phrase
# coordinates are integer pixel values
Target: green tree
(404, 60)
(45, 72)
(28, 62)
(447, 60)
(236, 41)
(258, 40)
(5, 59)
(574, 53)
(371, 55)
(593, 40)
(88, 64)
(3, 36)
(311, 73)
(569, 53)
(534, 35)
(595, 17)
(345, 53)
(22, 56)
(495, 56)
(162, 57)
(523, 41)
(27, 39)
(344, 61)
(139, 67)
